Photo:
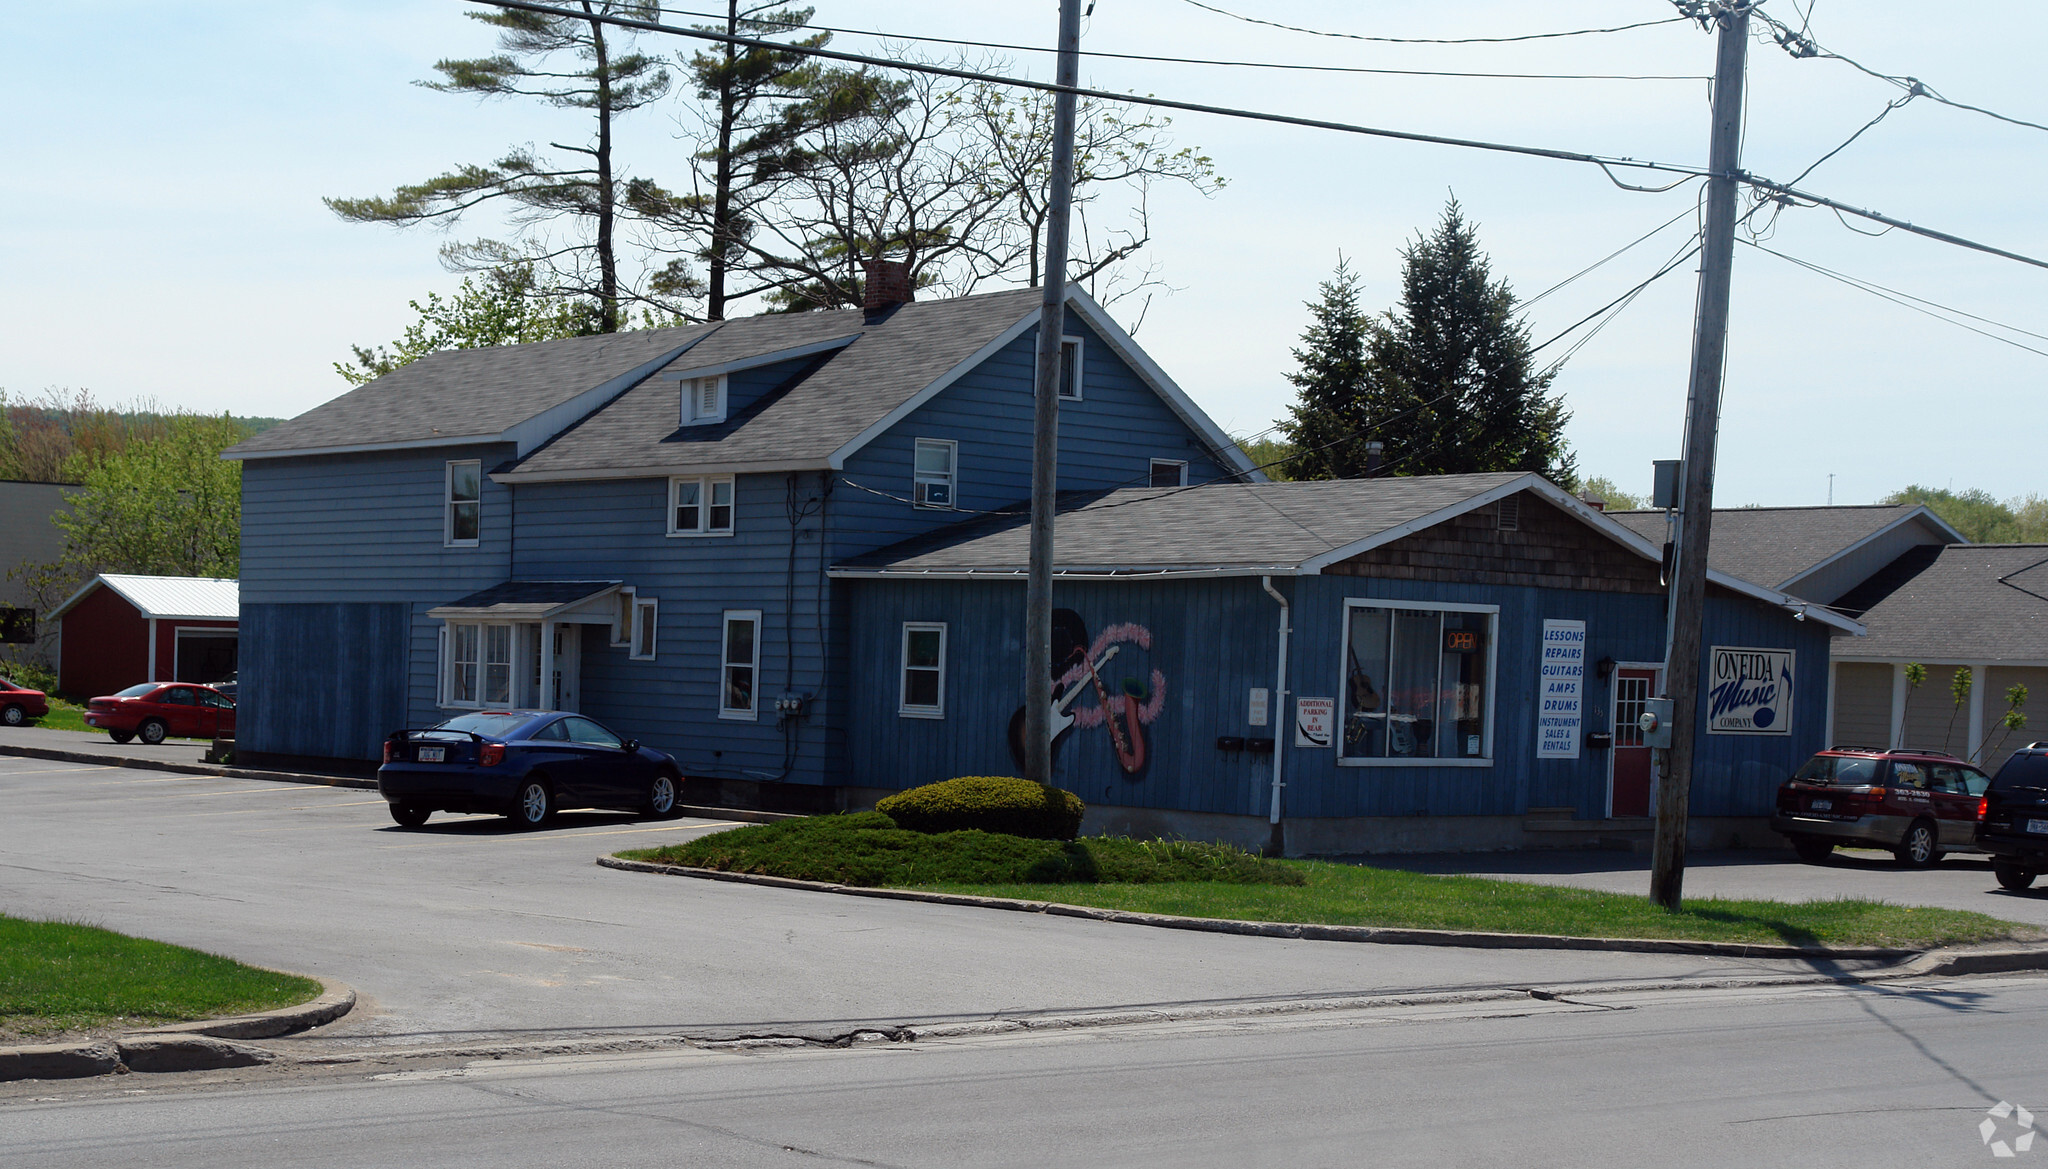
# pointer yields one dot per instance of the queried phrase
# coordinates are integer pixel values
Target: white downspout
(1282, 713)
(152, 651)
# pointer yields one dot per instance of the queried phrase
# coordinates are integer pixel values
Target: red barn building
(119, 630)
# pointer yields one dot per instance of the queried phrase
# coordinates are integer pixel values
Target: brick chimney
(888, 287)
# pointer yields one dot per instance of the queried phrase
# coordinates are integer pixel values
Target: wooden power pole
(1045, 418)
(1696, 491)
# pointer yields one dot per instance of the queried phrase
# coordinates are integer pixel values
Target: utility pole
(1702, 423)
(1045, 417)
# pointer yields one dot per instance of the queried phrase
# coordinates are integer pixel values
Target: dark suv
(1918, 804)
(2015, 826)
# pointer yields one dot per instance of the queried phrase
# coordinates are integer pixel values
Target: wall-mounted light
(1604, 667)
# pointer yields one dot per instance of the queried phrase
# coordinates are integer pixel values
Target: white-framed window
(476, 664)
(1169, 472)
(646, 625)
(739, 667)
(935, 471)
(1417, 683)
(1070, 369)
(922, 691)
(700, 505)
(703, 399)
(463, 499)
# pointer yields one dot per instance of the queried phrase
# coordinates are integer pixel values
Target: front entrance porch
(519, 644)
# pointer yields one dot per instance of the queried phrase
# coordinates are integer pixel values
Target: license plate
(433, 754)
(1823, 805)
(2040, 826)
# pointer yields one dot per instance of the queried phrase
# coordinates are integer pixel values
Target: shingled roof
(798, 425)
(1776, 545)
(475, 394)
(1961, 603)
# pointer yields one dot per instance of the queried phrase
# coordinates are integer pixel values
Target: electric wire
(1539, 36)
(1605, 163)
(1907, 300)
(922, 38)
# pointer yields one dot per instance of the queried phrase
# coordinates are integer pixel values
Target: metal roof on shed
(194, 598)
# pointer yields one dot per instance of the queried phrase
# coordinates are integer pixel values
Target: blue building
(784, 548)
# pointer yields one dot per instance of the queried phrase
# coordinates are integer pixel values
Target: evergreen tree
(1342, 392)
(583, 187)
(1446, 381)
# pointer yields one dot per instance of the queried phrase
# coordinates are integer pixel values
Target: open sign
(1461, 641)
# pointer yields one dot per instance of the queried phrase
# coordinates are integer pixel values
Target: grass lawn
(57, 977)
(1199, 880)
(66, 716)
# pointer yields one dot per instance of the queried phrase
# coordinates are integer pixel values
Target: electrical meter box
(1656, 722)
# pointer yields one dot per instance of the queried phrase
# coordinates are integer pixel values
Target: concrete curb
(181, 1047)
(1950, 961)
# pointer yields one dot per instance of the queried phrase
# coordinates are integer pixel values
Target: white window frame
(725, 662)
(706, 485)
(1070, 389)
(445, 667)
(694, 413)
(1493, 682)
(1180, 464)
(449, 504)
(643, 648)
(904, 707)
(919, 478)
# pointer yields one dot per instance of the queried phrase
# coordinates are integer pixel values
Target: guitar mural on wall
(1079, 668)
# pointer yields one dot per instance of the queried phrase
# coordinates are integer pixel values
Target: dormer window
(703, 399)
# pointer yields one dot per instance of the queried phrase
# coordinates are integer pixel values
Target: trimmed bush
(992, 803)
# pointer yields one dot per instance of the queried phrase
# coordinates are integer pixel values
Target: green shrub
(25, 672)
(991, 803)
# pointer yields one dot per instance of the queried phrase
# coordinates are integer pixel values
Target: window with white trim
(1417, 682)
(739, 667)
(700, 505)
(1169, 472)
(922, 692)
(936, 467)
(476, 664)
(646, 624)
(703, 399)
(463, 500)
(1070, 369)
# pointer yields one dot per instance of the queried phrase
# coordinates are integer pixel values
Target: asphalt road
(1855, 1077)
(465, 930)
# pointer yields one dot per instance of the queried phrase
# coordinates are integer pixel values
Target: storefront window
(1417, 682)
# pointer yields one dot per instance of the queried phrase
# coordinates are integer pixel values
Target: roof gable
(1789, 548)
(1959, 603)
(193, 598)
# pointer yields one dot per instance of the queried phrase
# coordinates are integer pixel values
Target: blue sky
(162, 236)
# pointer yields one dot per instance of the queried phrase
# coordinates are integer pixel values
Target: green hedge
(991, 803)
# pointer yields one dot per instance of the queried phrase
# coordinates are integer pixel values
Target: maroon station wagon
(1917, 804)
(156, 711)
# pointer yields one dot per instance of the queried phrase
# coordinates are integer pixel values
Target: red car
(19, 704)
(1917, 804)
(159, 710)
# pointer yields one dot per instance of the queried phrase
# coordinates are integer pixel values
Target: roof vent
(1507, 514)
(888, 288)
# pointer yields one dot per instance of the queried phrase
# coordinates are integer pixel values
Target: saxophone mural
(1080, 670)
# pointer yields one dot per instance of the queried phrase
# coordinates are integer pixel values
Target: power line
(1692, 248)
(1590, 268)
(1607, 164)
(1539, 36)
(1277, 65)
(1802, 45)
(1909, 301)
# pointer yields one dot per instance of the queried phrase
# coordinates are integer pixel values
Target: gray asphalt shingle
(1969, 602)
(1216, 525)
(1772, 545)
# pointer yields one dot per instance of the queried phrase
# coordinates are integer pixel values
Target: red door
(1628, 790)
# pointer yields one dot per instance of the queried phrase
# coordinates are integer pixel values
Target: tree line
(797, 171)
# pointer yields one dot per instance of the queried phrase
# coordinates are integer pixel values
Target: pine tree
(1341, 390)
(583, 187)
(1446, 381)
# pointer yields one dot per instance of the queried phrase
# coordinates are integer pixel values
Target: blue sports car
(523, 764)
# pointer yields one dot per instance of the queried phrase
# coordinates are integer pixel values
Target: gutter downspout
(1276, 842)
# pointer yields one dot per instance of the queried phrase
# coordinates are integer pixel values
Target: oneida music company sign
(1749, 691)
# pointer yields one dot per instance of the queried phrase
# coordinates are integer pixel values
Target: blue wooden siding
(324, 680)
(616, 530)
(1213, 640)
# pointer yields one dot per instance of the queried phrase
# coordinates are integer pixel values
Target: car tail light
(490, 754)
(390, 751)
(1983, 804)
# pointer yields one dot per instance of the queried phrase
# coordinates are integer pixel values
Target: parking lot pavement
(466, 929)
(1960, 881)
